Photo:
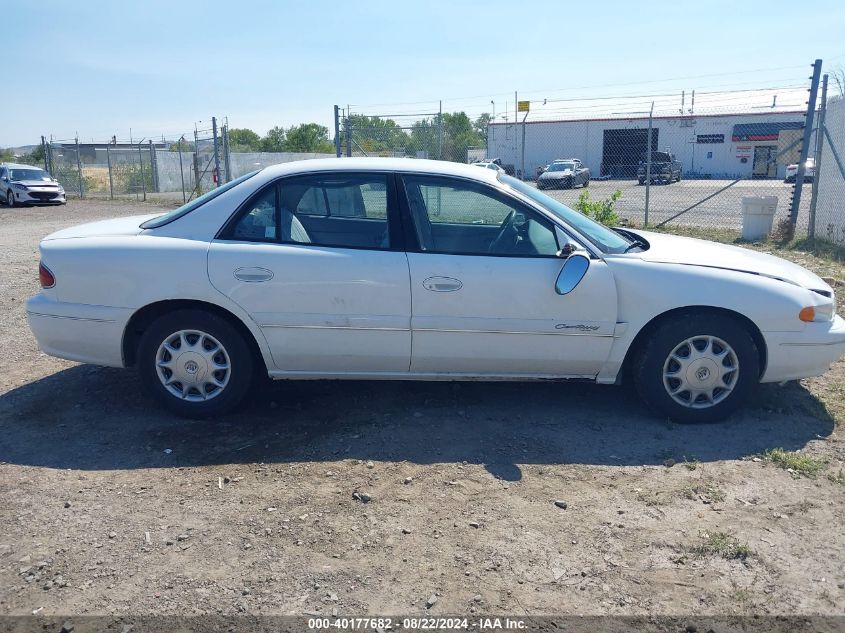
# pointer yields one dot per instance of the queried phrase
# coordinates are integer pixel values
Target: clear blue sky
(100, 68)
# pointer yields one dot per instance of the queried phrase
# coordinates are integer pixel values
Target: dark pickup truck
(664, 168)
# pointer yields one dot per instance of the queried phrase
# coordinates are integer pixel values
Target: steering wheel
(506, 227)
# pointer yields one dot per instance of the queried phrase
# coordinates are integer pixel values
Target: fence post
(181, 172)
(44, 149)
(197, 183)
(440, 133)
(648, 164)
(50, 158)
(153, 167)
(79, 170)
(216, 149)
(227, 159)
(814, 192)
(337, 132)
(348, 129)
(143, 177)
(111, 180)
(805, 144)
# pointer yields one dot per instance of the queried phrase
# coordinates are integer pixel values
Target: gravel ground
(722, 211)
(110, 506)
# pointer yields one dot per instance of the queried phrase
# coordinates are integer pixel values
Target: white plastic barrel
(758, 213)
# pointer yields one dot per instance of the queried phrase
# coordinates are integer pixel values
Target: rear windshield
(185, 209)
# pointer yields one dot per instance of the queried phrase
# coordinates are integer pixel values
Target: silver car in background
(26, 184)
(564, 174)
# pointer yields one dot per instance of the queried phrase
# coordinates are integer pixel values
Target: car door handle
(253, 275)
(442, 284)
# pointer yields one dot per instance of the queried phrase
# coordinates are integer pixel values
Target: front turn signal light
(807, 314)
(817, 313)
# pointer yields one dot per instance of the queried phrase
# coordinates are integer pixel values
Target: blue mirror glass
(571, 274)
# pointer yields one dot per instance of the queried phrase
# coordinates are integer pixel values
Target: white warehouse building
(708, 146)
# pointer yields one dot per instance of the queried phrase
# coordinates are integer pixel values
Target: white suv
(25, 184)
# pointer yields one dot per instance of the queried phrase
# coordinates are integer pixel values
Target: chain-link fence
(675, 160)
(829, 172)
(170, 171)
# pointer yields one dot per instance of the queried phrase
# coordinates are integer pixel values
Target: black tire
(653, 356)
(587, 183)
(240, 363)
(641, 181)
(10, 199)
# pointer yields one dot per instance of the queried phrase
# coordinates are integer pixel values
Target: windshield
(605, 239)
(185, 209)
(561, 166)
(28, 174)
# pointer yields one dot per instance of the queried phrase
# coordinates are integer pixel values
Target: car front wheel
(698, 368)
(10, 198)
(195, 364)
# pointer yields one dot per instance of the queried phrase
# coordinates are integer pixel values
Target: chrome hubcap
(193, 365)
(700, 372)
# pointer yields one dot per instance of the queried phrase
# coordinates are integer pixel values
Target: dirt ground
(108, 505)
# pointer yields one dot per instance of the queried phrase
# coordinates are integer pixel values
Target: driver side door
(483, 270)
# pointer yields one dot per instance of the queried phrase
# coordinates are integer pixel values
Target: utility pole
(805, 144)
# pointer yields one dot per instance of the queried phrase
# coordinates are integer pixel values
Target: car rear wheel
(587, 182)
(195, 364)
(697, 368)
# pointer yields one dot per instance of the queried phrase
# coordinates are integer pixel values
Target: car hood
(549, 175)
(36, 183)
(672, 249)
(105, 228)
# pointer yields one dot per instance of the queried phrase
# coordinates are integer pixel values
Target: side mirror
(573, 271)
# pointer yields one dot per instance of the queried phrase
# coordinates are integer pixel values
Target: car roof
(406, 165)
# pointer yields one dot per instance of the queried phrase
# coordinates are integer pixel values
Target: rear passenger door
(319, 263)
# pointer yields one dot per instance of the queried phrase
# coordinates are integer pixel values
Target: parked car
(809, 171)
(330, 268)
(25, 185)
(564, 174)
(664, 168)
(489, 164)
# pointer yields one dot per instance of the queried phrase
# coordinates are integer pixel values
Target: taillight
(45, 276)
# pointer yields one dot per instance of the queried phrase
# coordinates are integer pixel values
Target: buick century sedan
(422, 270)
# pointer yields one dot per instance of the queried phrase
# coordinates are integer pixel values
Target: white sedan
(412, 269)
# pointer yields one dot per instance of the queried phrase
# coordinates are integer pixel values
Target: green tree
(308, 137)
(374, 135)
(181, 145)
(480, 126)
(6, 155)
(244, 140)
(274, 140)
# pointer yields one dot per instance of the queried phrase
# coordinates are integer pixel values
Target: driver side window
(465, 218)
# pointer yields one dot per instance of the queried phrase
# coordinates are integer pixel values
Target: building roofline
(691, 117)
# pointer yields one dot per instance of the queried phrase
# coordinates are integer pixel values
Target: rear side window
(185, 209)
(340, 210)
(258, 223)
